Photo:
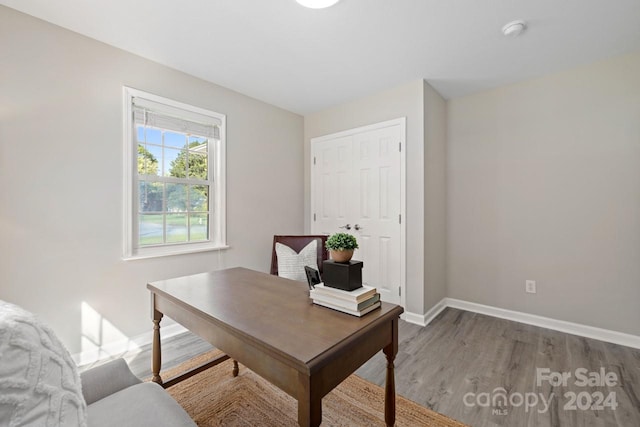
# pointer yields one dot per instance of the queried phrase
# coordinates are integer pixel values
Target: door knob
(346, 227)
(357, 227)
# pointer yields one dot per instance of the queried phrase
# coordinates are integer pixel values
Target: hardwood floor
(466, 354)
(467, 357)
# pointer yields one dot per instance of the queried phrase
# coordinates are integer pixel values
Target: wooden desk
(269, 324)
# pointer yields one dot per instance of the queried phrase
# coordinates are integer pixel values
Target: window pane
(175, 140)
(199, 227)
(198, 167)
(176, 197)
(199, 198)
(150, 229)
(174, 163)
(176, 228)
(150, 135)
(150, 196)
(156, 152)
(199, 143)
(147, 162)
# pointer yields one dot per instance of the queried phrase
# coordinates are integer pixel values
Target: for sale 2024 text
(582, 377)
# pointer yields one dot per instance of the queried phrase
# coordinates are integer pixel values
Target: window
(174, 177)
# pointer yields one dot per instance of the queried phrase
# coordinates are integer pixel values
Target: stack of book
(357, 302)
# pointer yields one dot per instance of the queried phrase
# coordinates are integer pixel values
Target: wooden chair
(297, 243)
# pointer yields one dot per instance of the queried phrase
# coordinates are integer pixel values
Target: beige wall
(404, 101)
(541, 181)
(61, 174)
(435, 199)
(544, 184)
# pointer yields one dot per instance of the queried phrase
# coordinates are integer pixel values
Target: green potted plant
(341, 246)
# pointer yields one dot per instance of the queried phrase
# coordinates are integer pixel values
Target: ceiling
(305, 60)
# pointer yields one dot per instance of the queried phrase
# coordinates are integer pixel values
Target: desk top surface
(270, 311)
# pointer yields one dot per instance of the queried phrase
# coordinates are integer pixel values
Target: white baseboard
(416, 319)
(424, 319)
(606, 335)
(119, 348)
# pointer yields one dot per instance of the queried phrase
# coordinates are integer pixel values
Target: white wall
(61, 174)
(404, 101)
(544, 184)
(435, 197)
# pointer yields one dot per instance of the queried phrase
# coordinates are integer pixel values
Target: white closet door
(356, 182)
(376, 166)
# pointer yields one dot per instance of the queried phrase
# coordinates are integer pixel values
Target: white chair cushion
(291, 264)
(39, 382)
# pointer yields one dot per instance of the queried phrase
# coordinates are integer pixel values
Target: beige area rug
(215, 398)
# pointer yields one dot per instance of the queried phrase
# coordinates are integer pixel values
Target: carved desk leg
(156, 360)
(390, 389)
(236, 370)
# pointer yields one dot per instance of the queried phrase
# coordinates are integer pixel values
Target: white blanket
(39, 382)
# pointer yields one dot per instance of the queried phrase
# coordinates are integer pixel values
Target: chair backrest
(297, 243)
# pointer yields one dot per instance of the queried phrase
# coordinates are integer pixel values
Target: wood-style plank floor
(482, 371)
(463, 356)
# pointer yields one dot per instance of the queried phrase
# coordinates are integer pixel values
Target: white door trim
(402, 122)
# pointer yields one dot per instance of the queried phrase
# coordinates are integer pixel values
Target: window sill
(170, 251)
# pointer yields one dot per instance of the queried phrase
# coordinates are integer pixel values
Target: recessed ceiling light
(514, 28)
(317, 4)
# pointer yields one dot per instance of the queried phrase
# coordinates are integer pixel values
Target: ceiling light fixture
(514, 28)
(317, 4)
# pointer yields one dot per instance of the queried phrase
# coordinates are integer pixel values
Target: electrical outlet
(530, 286)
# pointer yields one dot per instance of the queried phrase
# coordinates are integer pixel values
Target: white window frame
(217, 193)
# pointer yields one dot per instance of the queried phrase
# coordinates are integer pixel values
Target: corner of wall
(435, 141)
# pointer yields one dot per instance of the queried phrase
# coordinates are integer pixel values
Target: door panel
(378, 165)
(357, 182)
(332, 196)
